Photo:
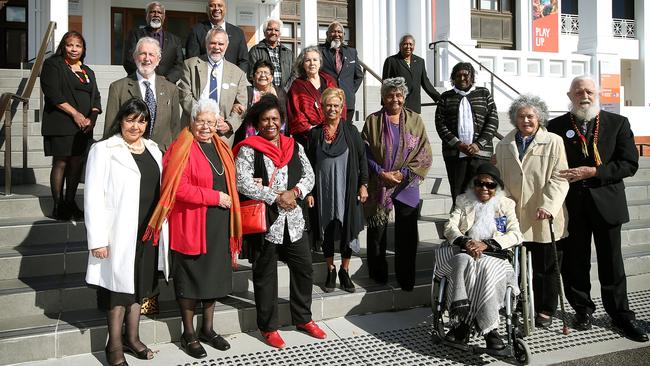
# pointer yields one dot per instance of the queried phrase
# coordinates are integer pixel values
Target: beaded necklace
(85, 79)
(583, 139)
(329, 135)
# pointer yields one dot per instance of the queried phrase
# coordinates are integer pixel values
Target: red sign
(545, 25)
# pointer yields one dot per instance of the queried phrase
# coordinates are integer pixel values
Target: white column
(41, 12)
(453, 23)
(59, 14)
(642, 15)
(391, 28)
(369, 38)
(595, 27)
(309, 22)
(97, 31)
(523, 25)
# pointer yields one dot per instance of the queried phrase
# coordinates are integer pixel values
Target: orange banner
(545, 26)
(610, 92)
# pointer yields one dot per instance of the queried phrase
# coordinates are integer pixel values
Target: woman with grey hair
(304, 107)
(530, 160)
(199, 198)
(399, 158)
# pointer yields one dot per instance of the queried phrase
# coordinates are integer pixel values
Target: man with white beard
(211, 76)
(160, 95)
(342, 63)
(600, 152)
(171, 60)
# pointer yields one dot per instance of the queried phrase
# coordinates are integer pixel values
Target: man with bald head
(237, 52)
(600, 152)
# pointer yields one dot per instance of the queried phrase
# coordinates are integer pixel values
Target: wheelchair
(519, 311)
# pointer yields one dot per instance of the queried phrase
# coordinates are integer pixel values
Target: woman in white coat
(530, 160)
(121, 191)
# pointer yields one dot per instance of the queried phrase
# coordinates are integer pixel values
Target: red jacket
(303, 104)
(193, 196)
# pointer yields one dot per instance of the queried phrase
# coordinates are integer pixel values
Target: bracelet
(296, 191)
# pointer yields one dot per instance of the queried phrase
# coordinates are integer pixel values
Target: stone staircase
(49, 312)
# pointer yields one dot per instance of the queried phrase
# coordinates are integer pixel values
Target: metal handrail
(366, 69)
(6, 106)
(433, 46)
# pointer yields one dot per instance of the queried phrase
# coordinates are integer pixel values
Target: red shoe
(312, 329)
(273, 339)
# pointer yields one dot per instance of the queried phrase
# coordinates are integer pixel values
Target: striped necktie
(214, 91)
(150, 101)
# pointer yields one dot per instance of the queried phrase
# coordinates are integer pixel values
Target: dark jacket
(261, 52)
(416, 78)
(351, 75)
(240, 133)
(171, 62)
(486, 121)
(357, 175)
(620, 159)
(57, 90)
(236, 53)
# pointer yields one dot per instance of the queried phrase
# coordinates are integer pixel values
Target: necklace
(136, 147)
(223, 168)
(85, 79)
(329, 135)
(583, 139)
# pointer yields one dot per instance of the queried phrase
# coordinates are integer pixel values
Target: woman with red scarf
(274, 169)
(199, 197)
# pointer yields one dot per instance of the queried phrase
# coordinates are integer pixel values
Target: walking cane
(565, 329)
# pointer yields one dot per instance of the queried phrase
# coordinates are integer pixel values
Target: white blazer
(111, 203)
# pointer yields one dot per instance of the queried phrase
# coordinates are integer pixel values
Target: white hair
(204, 105)
(149, 40)
(272, 20)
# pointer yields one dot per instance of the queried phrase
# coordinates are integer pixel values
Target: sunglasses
(482, 184)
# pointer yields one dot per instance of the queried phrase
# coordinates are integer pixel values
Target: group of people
(185, 143)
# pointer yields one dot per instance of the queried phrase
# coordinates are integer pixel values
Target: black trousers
(459, 173)
(406, 244)
(585, 220)
(297, 256)
(545, 282)
(331, 237)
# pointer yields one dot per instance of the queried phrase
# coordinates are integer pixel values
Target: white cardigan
(111, 204)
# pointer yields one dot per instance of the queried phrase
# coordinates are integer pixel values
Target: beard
(215, 57)
(335, 43)
(155, 23)
(146, 70)
(586, 113)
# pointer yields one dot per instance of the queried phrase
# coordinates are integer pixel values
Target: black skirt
(75, 145)
(208, 276)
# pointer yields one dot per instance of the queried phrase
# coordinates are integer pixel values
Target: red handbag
(253, 214)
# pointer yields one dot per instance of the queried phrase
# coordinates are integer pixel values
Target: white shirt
(222, 25)
(205, 94)
(143, 88)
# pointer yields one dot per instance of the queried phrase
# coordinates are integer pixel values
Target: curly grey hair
(143, 40)
(205, 105)
(529, 100)
(298, 65)
(390, 84)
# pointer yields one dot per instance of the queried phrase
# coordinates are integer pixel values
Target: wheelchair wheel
(521, 351)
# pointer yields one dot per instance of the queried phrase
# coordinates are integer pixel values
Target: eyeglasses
(200, 122)
(482, 184)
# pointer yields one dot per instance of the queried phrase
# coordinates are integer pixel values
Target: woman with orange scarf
(199, 197)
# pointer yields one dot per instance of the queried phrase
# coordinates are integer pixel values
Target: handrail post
(435, 62)
(8, 152)
(25, 150)
(492, 84)
(365, 94)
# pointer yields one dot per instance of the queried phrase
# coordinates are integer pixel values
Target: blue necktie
(214, 91)
(150, 101)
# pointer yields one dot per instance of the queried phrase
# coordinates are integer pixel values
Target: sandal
(108, 358)
(142, 355)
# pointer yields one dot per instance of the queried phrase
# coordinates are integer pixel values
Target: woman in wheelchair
(482, 226)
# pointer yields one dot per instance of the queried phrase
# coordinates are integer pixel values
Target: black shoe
(346, 282)
(142, 355)
(493, 341)
(330, 282)
(108, 357)
(60, 211)
(215, 340)
(583, 321)
(193, 347)
(630, 330)
(542, 322)
(459, 334)
(75, 212)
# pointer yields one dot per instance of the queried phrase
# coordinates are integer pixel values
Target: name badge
(570, 134)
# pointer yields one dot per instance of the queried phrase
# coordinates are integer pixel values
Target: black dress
(208, 276)
(146, 255)
(77, 144)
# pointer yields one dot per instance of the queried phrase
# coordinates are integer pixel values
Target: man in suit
(160, 95)
(211, 76)
(237, 52)
(413, 70)
(271, 50)
(601, 152)
(171, 61)
(342, 63)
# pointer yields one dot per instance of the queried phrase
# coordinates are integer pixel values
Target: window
(570, 7)
(623, 9)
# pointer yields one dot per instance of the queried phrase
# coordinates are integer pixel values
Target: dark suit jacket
(236, 53)
(351, 75)
(416, 78)
(171, 62)
(620, 159)
(57, 90)
(168, 119)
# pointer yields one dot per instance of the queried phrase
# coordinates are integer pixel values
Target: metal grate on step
(413, 346)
